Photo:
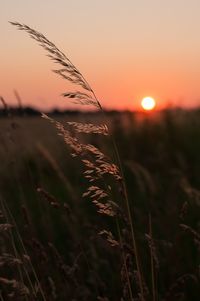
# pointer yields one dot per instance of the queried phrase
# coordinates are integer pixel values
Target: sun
(148, 103)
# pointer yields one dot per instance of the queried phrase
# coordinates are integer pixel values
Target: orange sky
(126, 50)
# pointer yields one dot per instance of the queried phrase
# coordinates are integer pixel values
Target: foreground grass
(42, 186)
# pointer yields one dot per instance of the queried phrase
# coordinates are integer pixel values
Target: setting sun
(148, 103)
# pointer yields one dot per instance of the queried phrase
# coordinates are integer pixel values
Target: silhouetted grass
(118, 220)
(160, 155)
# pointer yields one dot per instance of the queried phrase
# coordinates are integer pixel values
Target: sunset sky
(126, 49)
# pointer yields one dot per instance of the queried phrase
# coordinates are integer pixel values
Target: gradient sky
(126, 50)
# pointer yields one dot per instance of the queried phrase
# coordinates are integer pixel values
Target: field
(55, 245)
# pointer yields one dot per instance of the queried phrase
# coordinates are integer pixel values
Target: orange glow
(148, 103)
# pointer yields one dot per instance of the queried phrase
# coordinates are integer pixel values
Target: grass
(117, 219)
(164, 181)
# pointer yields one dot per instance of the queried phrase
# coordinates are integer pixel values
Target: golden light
(148, 103)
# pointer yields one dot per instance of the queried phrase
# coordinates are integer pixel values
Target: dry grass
(99, 250)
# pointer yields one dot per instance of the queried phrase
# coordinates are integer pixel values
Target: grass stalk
(25, 252)
(153, 280)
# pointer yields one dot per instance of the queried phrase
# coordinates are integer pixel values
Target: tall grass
(100, 165)
(112, 244)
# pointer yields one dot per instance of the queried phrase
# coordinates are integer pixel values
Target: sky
(125, 49)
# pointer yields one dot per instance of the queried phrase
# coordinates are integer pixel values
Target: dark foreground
(50, 244)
